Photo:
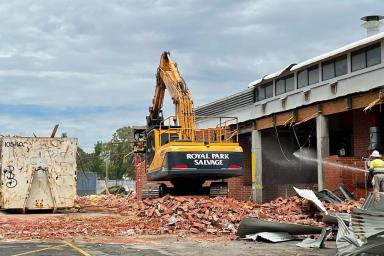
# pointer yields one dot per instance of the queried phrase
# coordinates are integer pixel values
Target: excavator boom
(168, 77)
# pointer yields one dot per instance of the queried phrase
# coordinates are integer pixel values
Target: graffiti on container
(16, 144)
(10, 176)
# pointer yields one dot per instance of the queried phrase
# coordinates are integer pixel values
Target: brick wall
(240, 188)
(141, 179)
(361, 124)
(334, 175)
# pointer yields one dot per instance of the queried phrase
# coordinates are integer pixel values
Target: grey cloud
(105, 53)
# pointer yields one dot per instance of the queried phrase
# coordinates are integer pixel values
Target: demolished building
(328, 105)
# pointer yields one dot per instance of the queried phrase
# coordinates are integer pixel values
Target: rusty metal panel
(38, 173)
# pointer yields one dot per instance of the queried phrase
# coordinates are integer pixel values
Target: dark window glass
(166, 136)
(289, 84)
(280, 86)
(313, 75)
(328, 70)
(341, 66)
(358, 60)
(260, 93)
(264, 91)
(302, 78)
(373, 56)
(269, 91)
(150, 147)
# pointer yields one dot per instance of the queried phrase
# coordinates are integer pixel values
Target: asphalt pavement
(158, 247)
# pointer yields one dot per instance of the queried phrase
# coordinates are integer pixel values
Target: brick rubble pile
(167, 215)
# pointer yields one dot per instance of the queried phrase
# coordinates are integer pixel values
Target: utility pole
(107, 159)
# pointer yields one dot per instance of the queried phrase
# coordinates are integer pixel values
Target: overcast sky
(90, 65)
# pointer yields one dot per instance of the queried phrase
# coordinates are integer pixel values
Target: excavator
(178, 152)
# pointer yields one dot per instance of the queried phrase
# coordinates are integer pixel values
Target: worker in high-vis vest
(376, 168)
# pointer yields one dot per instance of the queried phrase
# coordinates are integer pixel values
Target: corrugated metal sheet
(235, 101)
(86, 183)
(346, 240)
(309, 195)
(374, 204)
(251, 225)
(367, 223)
(316, 243)
(274, 237)
(38, 173)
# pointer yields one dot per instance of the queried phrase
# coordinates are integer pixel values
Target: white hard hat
(375, 153)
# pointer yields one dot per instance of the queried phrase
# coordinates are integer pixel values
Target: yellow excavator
(176, 151)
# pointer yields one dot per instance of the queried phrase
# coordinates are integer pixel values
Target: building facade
(309, 124)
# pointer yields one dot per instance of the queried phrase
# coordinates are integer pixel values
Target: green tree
(120, 148)
(98, 159)
(119, 151)
(91, 162)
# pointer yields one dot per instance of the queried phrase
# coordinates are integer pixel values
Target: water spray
(306, 155)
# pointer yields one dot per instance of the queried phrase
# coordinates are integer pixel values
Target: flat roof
(321, 57)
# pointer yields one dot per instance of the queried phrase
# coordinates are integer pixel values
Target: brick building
(327, 108)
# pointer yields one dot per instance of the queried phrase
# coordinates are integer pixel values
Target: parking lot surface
(159, 246)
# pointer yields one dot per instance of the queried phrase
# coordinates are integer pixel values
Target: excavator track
(157, 190)
(153, 190)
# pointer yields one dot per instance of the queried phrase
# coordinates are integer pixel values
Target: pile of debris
(365, 217)
(344, 207)
(205, 215)
(123, 215)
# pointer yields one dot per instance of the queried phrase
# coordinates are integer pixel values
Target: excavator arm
(168, 77)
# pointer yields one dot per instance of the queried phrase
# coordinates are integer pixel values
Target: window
(302, 78)
(269, 91)
(285, 84)
(358, 60)
(366, 57)
(308, 76)
(328, 70)
(335, 67)
(280, 86)
(150, 147)
(264, 91)
(260, 93)
(168, 137)
(313, 75)
(341, 66)
(289, 84)
(373, 56)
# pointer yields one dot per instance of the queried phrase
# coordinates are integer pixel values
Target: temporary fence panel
(86, 183)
